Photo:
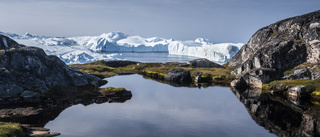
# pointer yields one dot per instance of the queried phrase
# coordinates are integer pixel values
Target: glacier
(110, 46)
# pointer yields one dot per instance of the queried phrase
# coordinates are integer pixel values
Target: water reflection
(278, 115)
(39, 114)
(158, 109)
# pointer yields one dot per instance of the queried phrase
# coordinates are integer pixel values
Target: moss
(111, 90)
(11, 130)
(315, 95)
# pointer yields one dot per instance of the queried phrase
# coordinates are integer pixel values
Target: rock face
(28, 71)
(281, 45)
(7, 43)
(179, 76)
(204, 63)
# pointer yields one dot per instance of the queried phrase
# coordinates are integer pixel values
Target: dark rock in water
(29, 68)
(254, 78)
(178, 76)
(281, 45)
(7, 43)
(204, 63)
(300, 74)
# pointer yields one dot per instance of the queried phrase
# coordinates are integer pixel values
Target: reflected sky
(158, 109)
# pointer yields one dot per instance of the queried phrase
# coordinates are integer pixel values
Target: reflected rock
(278, 115)
(178, 76)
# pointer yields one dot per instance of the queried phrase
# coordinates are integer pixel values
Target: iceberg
(203, 48)
(108, 46)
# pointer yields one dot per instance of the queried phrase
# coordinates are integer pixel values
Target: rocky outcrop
(204, 63)
(28, 71)
(281, 45)
(178, 76)
(7, 43)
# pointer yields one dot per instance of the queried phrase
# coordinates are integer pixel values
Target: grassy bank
(312, 85)
(157, 71)
(11, 130)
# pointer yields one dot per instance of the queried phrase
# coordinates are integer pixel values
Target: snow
(107, 46)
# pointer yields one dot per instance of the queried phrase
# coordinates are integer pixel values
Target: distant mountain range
(107, 46)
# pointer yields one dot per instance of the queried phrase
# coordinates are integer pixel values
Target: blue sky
(217, 20)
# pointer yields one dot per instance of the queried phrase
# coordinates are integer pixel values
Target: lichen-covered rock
(281, 45)
(179, 76)
(29, 68)
(204, 63)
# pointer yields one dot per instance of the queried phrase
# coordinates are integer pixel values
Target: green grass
(157, 70)
(11, 130)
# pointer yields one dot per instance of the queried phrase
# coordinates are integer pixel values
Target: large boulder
(179, 76)
(281, 45)
(30, 69)
(204, 63)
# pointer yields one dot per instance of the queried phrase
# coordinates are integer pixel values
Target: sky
(216, 20)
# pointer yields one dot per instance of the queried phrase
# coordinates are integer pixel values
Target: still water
(158, 110)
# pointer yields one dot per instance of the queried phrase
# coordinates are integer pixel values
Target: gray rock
(204, 63)
(29, 68)
(6, 43)
(178, 76)
(254, 78)
(299, 74)
(29, 94)
(281, 45)
(315, 75)
(297, 91)
(198, 78)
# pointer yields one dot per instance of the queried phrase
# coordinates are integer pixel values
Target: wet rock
(297, 92)
(178, 76)
(204, 63)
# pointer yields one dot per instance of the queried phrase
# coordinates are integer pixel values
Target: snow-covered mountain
(109, 46)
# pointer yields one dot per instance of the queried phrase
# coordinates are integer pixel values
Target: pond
(158, 110)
